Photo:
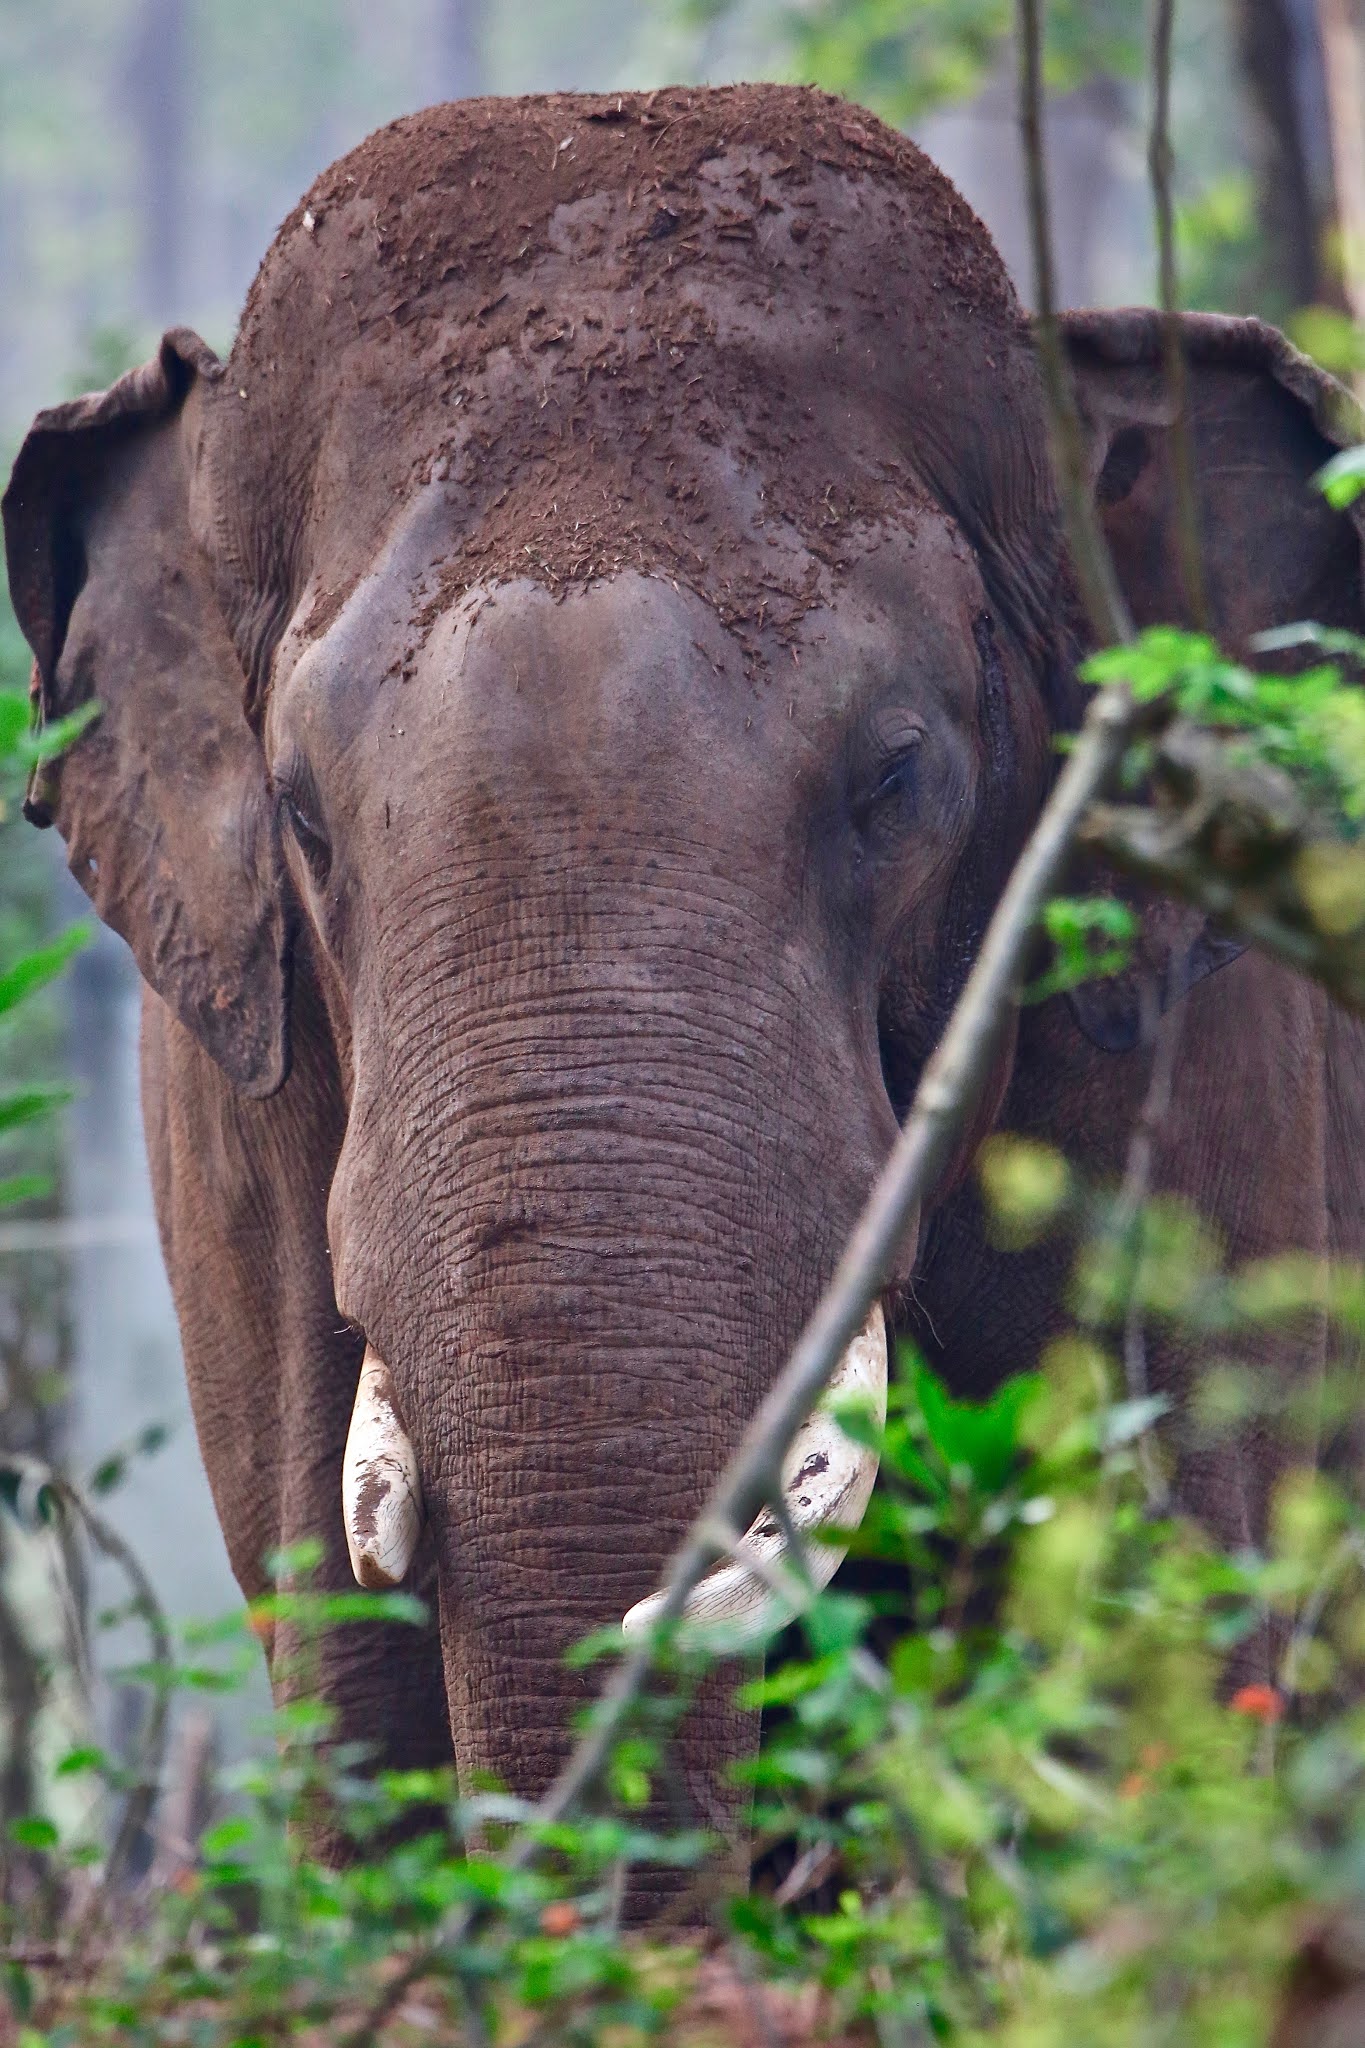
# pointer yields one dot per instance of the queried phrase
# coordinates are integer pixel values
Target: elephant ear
(1262, 421)
(163, 800)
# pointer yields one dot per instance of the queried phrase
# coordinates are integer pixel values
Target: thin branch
(957, 1939)
(1104, 601)
(957, 1934)
(1349, 1550)
(1160, 165)
(21, 1692)
(946, 1094)
(428, 1961)
(1163, 1032)
(142, 1797)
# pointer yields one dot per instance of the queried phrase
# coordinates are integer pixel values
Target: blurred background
(148, 149)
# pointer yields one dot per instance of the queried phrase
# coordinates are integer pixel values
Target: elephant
(573, 684)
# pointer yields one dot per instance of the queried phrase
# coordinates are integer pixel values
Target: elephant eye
(898, 778)
(297, 812)
(896, 784)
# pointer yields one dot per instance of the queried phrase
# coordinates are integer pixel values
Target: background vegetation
(1015, 1801)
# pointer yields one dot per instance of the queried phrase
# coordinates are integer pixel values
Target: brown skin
(573, 689)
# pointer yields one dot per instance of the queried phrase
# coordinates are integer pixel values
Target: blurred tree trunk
(1342, 29)
(459, 49)
(157, 95)
(1279, 47)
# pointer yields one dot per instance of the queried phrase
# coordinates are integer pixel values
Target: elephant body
(574, 684)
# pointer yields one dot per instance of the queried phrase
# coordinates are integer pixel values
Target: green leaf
(109, 1473)
(983, 1436)
(1308, 633)
(77, 1761)
(1342, 480)
(1092, 936)
(25, 1105)
(295, 1560)
(19, 1991)
(228, 1835)
(35, 969)
(54, 738)
(33, 1832)
(15, 713)
(24, 1187)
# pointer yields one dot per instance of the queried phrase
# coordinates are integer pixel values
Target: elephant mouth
(826, 1483)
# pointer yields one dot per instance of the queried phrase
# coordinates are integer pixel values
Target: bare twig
(186, 1805)
(21, 1691)
(810, 1869)
(1349, 1551)
(1104, 600)
(945, 1096)
(424, 1962)
(1163, 1033)
(1160, 164)
(142, 1796)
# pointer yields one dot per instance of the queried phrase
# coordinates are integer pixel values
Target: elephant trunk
(581, 1222)
(604, 1371)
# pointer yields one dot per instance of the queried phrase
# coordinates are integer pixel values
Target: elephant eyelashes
(899, 779)
(895, 789)
(312, 841)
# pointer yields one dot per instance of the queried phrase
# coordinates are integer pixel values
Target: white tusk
(827, 1481)
(381, 1493)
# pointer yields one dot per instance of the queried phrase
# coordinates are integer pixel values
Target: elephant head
(605, 629)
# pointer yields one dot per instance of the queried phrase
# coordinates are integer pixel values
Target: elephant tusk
(381, 1493)
(827, 1481)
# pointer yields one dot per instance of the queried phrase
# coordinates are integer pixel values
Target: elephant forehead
(630, 671)
(721, 337)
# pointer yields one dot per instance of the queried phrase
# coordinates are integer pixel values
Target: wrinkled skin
(573, 690)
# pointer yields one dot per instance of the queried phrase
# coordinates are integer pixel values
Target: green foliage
(1343, 479)
(264, 1938)
(1311, 724)
(904, 61)
(1330, 337)
(901, 61)
(1011, 1794)
(28, 964)
(1216, 239)
(1053, 1824)
(1091, 935)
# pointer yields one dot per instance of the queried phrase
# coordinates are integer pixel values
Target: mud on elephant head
(574, 681)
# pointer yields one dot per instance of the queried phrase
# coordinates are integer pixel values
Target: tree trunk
(1280, 52)
(1343, 45)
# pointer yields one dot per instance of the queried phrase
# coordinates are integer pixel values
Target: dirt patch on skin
(720, 336)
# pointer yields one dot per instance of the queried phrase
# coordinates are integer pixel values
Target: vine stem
(1104, 601)
(947, 1092)
(1160, 165)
